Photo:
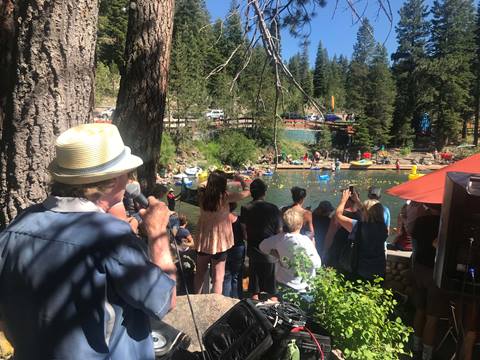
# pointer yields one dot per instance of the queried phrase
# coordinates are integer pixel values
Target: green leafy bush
(209, 152)
(323, 139)
(358, 315)
(293, 148)
(167, 150)
(236, 149)
(107, 82)
(405, 150)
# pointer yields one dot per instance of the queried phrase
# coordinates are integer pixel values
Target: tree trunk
(141, 99)
(7, 43)
(52, 89)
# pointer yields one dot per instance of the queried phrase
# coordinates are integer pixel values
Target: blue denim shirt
(76, 284)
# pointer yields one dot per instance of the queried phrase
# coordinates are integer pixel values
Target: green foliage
(320, 73)
(187, 84)
(358, 315)
(236, 149)
(305, 74)
(295, 149)
(381, 95)
(365, 46)
(107, 82)
(209, 152)
(363, 51)
(167, 150)
(405, 150)
(410, 75)
(337, 70)
(362, 137)
(112, 31)
(450, 70)
(324, 139)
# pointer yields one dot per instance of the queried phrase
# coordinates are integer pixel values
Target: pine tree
(477, 79)
(358, 71)
(364, 48)
(293, 98)
(381, 96)
(362, 137)
(409, 70)
(336, 79)
(218, 85)
(320, 73)
(112, 31)
(234, 38)
(306, 76)
(187, 84)
(452, 50)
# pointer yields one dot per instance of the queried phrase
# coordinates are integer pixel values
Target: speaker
(457, 264)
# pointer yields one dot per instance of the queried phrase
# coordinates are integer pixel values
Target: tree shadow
(53, 293)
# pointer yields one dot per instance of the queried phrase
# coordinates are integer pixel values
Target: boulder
(207, 308)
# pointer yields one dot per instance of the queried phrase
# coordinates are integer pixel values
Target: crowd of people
(85, 269)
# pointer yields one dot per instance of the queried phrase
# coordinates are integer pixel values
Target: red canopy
(430, 188)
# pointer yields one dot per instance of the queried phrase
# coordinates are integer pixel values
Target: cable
(188, 296)
(312, 335)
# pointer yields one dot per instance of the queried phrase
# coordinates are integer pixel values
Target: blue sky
(337, 35)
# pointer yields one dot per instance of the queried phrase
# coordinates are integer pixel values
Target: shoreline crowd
(88, 267)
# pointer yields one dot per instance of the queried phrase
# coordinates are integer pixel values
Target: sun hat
(90, 153)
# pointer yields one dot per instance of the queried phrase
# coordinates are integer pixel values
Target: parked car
(215, 114)
(312, 117)
(107, 114)
(332, 117)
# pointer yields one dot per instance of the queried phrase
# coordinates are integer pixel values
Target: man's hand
(345, 196)
(355, 197)
(155, 218)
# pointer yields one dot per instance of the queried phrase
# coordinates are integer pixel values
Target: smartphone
(350, 188)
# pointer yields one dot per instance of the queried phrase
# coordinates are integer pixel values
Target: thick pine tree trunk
(7, 43)
(141, 99)
(51, 90)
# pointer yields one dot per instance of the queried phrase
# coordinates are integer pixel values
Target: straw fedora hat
(90, 153)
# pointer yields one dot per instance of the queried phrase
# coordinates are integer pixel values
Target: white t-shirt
(286, 244)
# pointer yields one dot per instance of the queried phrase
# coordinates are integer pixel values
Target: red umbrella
(430, 188)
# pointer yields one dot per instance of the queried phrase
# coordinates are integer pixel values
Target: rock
(207, 308)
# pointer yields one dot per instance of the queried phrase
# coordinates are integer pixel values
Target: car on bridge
(332, 117)
(215, 114)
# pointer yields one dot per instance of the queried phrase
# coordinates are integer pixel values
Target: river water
(318, 190)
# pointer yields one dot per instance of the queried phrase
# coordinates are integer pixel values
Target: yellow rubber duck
(413, 173)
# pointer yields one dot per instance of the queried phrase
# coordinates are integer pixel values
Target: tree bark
(141, 99)
(7, 42)
(52, 89)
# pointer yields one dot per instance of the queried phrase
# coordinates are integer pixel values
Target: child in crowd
(187, 256)
(285, 246)
(183, 237)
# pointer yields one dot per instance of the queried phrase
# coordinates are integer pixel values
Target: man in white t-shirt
(286, 245)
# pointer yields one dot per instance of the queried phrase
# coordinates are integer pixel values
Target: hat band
(94, 169)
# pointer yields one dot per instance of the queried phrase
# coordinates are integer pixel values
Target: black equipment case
(243, 333)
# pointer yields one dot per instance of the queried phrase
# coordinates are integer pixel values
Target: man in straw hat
(75, 282)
